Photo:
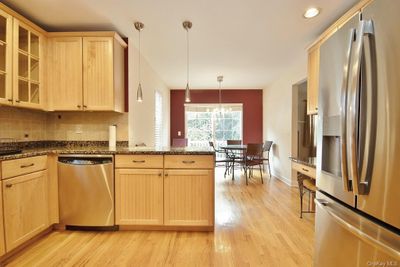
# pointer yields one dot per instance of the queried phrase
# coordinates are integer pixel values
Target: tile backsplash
(29, 125)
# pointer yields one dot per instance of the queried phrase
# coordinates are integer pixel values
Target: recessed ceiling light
(311, 12)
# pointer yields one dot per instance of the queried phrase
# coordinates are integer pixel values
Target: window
(158, 119)
(213, 122)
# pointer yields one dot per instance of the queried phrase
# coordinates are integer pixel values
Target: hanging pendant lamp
(187, 25)
(139, 94)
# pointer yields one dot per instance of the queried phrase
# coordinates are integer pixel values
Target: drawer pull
(8, 185)
(188, 161)
(304, 169)
(27, 165)
(160, 174)
(138, 161)
(166, 175)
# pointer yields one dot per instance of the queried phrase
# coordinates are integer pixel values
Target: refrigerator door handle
(375, 242)
(343, 113)
(365, 29)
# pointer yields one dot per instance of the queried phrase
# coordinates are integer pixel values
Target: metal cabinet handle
(188, 161)
(78, 106)
(9, 100)
(84, 106)
(138, 161)
(160, 174)
(304, 169)
(27, 165)
(9, 185)
(166, 175)
(17, 101)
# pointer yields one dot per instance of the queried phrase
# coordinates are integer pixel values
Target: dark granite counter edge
(44, 151)
(304, 162)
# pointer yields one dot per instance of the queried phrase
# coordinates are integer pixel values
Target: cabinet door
(313, 81)
(25, 207)
(139, 196)
(2, 244)
(5, 58)
(66, 73)
(27, 62)
(189, 198)
(98, 85)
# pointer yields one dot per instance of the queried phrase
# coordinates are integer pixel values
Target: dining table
(231, 152)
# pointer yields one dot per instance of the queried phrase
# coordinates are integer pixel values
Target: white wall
(277, 113)
(141, 115)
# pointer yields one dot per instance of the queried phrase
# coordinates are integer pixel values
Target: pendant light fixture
(220, 79)
(187, 25)
(139, 94)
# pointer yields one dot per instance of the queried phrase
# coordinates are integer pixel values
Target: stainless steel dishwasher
(86, 190)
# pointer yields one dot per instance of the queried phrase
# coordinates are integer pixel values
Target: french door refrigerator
(358, 153)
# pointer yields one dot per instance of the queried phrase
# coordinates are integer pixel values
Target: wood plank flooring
(256, 225)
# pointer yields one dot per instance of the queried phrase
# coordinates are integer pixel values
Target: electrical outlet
(78, 129)
(179, 133)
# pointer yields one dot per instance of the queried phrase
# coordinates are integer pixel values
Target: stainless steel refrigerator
(358, 152)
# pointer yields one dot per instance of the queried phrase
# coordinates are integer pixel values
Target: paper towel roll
(112, 140)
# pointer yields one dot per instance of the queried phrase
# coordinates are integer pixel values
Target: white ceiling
(250, 42)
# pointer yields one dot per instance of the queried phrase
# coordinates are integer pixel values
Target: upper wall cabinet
(5, 58)
(313, 81)
(87, 71)
(27, 56)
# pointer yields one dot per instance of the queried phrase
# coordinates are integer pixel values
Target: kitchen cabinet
(5, 58)
(27, 66)
(189, 197)
(25, 207)
(312, 80)
(87, 71)
(65, 80)
(139, 196)
(2, 244)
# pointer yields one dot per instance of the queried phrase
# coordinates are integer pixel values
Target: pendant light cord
(187, 55)
(139, 57)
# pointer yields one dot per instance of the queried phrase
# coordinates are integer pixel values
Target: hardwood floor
(256, 225)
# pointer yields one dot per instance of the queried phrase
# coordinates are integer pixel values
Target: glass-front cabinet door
(27, 66)
(5, 58)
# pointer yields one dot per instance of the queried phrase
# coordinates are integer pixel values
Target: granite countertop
(310, 162)
(105, 150)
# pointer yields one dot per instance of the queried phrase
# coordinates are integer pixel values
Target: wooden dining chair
(253, 157)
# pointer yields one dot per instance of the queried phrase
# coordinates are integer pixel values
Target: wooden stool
(306, 184)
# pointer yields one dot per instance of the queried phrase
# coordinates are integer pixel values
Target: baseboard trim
(283, 179)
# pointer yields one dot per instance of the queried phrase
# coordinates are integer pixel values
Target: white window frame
(158, 119)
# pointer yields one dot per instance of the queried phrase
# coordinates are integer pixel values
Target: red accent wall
(252, 101)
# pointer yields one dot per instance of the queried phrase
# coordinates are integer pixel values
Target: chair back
(179, 142)
(233, 142)
(267, 146)
(211, 143)
(254, 150)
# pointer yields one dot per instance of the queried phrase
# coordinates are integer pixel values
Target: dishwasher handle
(85, 161)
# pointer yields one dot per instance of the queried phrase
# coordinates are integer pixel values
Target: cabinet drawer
(139, 161)
(16, 167)
(188, 162)
(306, 170)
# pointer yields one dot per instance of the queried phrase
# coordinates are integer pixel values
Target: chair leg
(269, 170)
(245, 173)
(301, 205)
(262, 180)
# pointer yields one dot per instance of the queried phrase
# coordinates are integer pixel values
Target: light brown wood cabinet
(25, 207)
(313, 80)
(2, 244)
(189, 198)
(65, 81)
(87, 71)
(27, 66)
(139, 196)
(5, 58)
